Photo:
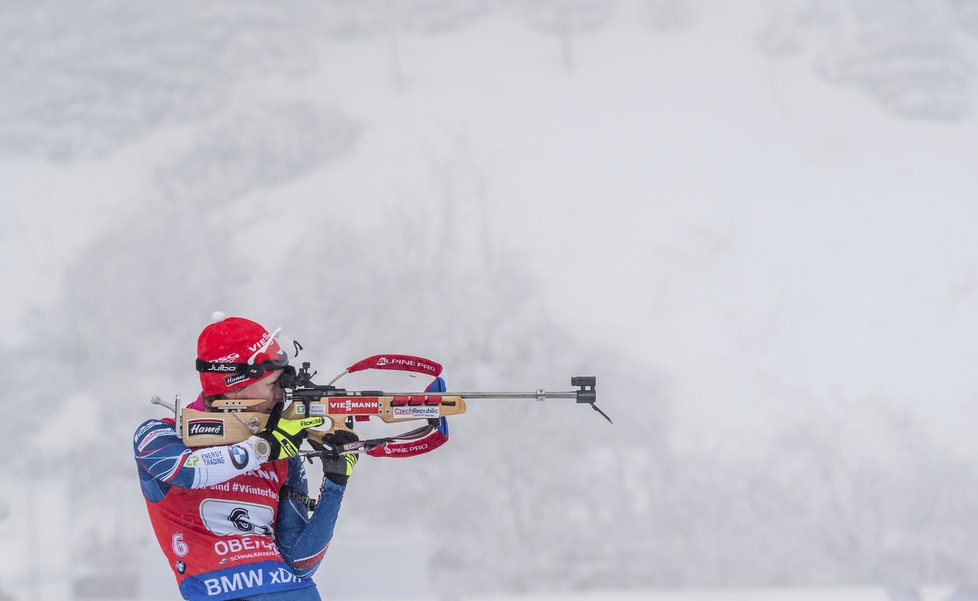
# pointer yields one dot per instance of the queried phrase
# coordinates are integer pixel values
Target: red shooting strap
(417, 442)
(418, 365)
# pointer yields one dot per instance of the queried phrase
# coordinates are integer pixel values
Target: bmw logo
(239, 456)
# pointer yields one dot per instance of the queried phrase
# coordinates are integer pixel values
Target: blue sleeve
(164, 461)
(303, 539)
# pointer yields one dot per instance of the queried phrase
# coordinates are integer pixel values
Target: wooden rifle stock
(230, 420)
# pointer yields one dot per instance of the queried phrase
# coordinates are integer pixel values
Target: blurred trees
(567, 19)
(81, 81)
(390, 20)
(906, 55)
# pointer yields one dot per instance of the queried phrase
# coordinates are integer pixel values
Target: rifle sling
(287, 492)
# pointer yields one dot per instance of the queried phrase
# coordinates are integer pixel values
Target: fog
(752, 221)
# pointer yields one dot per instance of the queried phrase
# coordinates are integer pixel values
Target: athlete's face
(266, 389)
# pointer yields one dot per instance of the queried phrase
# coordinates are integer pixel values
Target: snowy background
(752, 220)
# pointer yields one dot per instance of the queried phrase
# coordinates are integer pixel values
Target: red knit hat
(233, 352)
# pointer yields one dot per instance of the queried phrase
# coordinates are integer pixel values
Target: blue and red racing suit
(229, 527)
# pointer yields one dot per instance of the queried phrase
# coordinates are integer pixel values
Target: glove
(337, 468)
(285, 435)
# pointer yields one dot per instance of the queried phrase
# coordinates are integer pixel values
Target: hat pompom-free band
(217, 316)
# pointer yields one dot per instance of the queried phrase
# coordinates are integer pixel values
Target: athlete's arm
(164, 461)
(303, 539)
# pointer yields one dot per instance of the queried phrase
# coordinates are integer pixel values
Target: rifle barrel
(584, 394)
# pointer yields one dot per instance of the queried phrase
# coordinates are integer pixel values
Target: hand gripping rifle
(230, 420)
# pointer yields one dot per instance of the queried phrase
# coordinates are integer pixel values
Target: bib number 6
(180, 548)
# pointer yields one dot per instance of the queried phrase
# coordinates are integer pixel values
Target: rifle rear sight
(292, 379)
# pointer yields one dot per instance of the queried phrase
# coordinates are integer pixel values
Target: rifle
(230, 420)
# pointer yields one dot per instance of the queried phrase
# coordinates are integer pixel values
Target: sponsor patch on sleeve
(151, 437)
